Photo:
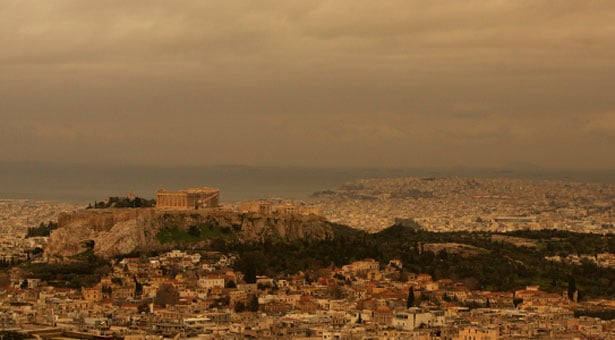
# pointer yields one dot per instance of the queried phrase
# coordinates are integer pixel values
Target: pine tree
(410, 301)
(253, 303)
(572, 287)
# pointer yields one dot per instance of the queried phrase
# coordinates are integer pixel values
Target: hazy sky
(338, 82)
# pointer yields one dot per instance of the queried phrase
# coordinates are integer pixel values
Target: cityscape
(307, 169)
(189, 289)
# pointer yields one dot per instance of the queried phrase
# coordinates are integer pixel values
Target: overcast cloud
(338, 82)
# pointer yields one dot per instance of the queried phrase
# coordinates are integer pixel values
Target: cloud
(299, 77)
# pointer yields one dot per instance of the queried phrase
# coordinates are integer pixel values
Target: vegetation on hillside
(85, 270)
(42, 230)
(123, 202)
(194, 233)
(504, 267)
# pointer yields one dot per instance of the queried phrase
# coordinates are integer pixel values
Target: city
(307, 169)
(206, 294)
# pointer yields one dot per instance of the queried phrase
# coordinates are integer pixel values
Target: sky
(318, 82)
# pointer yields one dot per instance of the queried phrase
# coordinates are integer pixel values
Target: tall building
(195, 198)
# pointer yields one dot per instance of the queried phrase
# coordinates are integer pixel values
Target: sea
(79, 183)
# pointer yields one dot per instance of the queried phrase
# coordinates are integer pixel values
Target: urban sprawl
(183, 293)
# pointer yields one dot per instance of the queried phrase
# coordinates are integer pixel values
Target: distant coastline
(86, 183)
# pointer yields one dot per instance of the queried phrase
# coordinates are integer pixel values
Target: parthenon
(194, 198)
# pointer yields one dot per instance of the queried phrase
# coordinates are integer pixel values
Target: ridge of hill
(113, 232)
(275, 245)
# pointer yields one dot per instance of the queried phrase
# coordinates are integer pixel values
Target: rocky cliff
(111, 232)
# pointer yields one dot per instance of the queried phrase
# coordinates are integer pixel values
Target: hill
(276, 245)
(112, 232)
(494, 265)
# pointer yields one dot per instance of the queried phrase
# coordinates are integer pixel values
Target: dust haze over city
(318, 83)
(307, 169)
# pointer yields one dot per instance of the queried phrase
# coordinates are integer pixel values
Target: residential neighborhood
(187, 294)
(198, 293)
(475, 204)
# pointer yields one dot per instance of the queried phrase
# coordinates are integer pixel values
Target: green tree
(138, 287)
(240, 307)
(106, 291)
(143, 308)
(194, 230)
(411, 298)
(166, 295)
(253, 303)
(250, 275)
(335, 291)
(11, 335)
(572, 287)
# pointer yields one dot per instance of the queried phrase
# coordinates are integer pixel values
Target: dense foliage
(501, 267)
(194, 233)
(497, 266)
(166, 295)
(604, 314)
(85, 270)
(123, 202)
(42, 230)
(13, 335)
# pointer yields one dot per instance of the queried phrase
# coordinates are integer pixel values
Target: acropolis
(194, 198)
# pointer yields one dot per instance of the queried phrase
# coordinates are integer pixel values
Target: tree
(194, 230)
(572, 287)
(11, 335)
(166, 295)
(249, 275)
(403, 276)
(335, 291)
(240, 307)
(143, 308)
(410, 301)
(253, 303)
(138, 287)
(106, 291)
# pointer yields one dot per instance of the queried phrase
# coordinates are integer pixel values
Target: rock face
(121, 231)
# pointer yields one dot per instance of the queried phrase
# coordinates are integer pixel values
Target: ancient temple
(195, 198)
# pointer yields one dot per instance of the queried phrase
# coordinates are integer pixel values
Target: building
(211, 281)
(261, 207)
(361, 267)
(195, 198)
(92, 294)
(268, 208)
(476, 333)
(415, 318)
